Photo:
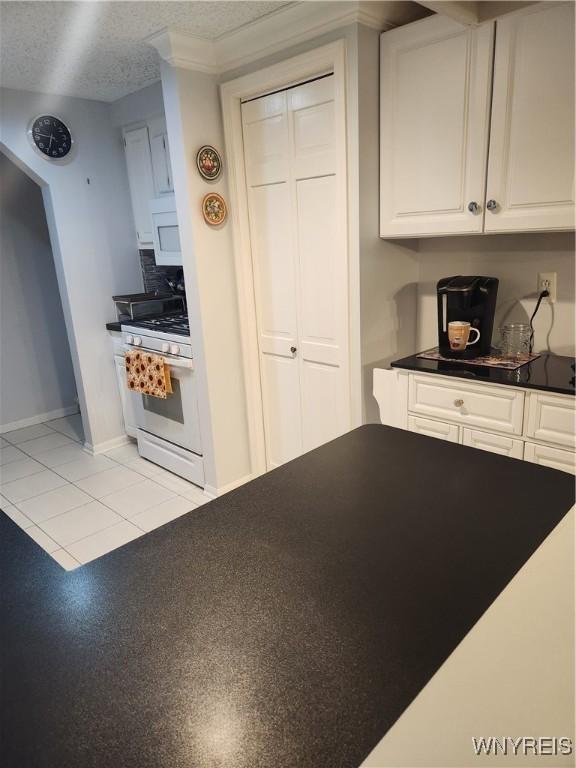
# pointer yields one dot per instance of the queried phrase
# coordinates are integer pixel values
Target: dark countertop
(550, 373)
(286, 624)
(116, 326)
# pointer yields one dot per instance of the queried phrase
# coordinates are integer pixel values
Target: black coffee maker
(468, 298)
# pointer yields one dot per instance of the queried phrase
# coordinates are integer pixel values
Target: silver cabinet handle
(473, 207)
(458, 403)
(491, 205)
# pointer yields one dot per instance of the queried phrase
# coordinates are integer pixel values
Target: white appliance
(168, 431)
(165, 231)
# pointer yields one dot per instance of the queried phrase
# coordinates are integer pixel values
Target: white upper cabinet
(149, 172)
(140, 179)
(435, 114)
(160, 151)
(456, 159)
(531, 160)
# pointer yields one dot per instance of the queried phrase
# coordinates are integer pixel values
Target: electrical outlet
(547, 282)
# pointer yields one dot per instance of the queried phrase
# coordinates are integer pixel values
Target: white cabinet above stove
(149, 178)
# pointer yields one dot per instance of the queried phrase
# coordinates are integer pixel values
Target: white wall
(92, 237)
(388, 270)
(35, 364)
(193, 118)
(140, 105)
(515, 260)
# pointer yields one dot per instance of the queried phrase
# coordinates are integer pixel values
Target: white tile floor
(78, 507)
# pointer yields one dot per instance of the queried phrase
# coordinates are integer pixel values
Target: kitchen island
(288, 623)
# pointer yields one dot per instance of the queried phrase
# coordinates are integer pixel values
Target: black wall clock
(50, 136)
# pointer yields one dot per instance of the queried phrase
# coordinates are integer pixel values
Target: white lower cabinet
(521, 423)
(550, 418)
(506, 446)
(495, 408)
(550, 457)
(432, 428)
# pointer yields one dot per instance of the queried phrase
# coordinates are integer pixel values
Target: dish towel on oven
(147, 373)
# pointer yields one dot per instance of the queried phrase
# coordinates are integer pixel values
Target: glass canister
(515, 341)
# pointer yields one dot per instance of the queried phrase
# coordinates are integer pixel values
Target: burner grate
(165, 324)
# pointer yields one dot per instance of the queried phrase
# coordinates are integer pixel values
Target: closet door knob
(458, 403)
(491, 205)
(473, 207)
(293, 350)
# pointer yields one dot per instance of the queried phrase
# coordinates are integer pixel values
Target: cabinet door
(531, 161)
(434, 117)
(161, 164)
(139, 165)
(550, 457)
(506, 446)
(551, 418)
(439, 429)
(472, 405)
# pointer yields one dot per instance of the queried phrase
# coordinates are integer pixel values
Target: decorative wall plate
(208, 162)
(214, 208)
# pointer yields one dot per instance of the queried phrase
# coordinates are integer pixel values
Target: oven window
(171, 408)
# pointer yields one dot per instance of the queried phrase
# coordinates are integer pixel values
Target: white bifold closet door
(297, 210)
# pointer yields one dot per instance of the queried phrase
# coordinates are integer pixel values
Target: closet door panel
(275, 288)
(311, 107)
(265, 128)
(531, 159)
(282, 409)
(323, 312)
(273, 262)
(322, 288)
(323, 416)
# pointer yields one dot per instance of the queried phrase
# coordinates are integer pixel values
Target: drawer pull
(458, 403)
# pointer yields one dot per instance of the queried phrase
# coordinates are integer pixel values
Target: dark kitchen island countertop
(286, 624)
(549, 373)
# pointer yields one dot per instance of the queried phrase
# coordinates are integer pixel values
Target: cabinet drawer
(551, 419)
(550, 457)
(432, 428)
(476, 405)
(506, 446)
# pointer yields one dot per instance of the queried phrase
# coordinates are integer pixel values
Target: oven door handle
(173, 362)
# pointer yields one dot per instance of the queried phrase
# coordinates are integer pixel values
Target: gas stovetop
(173, 324)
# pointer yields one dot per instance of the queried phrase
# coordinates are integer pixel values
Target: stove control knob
(174, 349)
(137, 341)
(129, 339)
(165, 346)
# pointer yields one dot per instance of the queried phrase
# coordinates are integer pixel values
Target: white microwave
(165, 231)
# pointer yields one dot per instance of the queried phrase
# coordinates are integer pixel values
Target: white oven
(168, 431)
(176, 418)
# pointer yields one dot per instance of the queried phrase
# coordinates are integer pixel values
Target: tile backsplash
(154, 276)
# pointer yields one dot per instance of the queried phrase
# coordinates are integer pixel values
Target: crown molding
(182, 50)
(288, 26)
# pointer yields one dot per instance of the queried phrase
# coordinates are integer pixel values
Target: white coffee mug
(458, 334)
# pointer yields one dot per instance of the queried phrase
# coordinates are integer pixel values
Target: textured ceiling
(95, 50)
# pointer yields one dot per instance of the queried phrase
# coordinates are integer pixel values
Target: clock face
(51, 137)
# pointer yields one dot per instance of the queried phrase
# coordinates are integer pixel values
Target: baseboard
(214, 492)
(107, 445)
(59, 413)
